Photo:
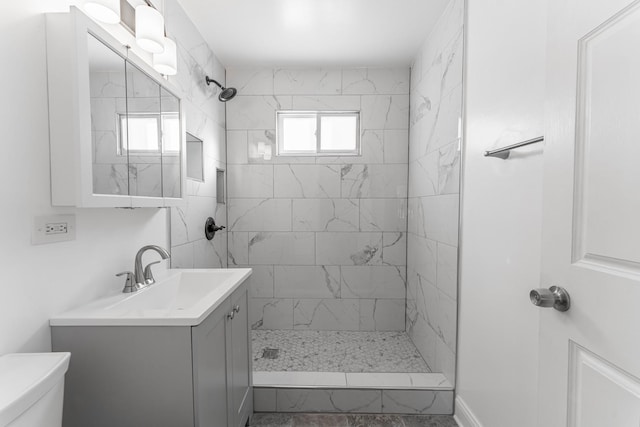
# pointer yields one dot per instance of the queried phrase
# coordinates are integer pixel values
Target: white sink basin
(179, 297)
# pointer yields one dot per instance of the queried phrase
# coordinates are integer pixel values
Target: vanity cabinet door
(241, 395)
(210, 341)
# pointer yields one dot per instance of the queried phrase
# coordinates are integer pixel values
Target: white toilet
(31, 389)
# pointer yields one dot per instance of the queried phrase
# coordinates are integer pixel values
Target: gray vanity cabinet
(160, 376)
(222, 365)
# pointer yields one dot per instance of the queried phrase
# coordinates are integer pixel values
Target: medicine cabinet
(116, 126)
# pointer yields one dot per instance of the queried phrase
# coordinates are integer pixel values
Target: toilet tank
(32, 388)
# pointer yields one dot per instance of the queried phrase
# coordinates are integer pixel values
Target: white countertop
(180, 297)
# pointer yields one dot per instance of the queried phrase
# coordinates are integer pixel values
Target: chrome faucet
(145, 277)
(142, 278)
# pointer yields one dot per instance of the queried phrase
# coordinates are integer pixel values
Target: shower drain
(270, 353)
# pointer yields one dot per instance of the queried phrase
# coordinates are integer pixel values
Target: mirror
(108, 93)
(195, 164)
(140, 136)
(171, 144)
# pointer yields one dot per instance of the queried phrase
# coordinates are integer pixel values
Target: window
(311, 133)
(139, 133)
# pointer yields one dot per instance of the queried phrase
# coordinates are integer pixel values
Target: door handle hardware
(236, 309)
(555, 297)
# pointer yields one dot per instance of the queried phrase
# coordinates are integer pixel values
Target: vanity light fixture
(150, 29)
(107, 11)
(166, 62)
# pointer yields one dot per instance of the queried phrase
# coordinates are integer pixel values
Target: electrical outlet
(53, 228)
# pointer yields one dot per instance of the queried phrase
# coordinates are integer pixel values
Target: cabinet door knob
(236, 309)
(231, 315)
(555, 297)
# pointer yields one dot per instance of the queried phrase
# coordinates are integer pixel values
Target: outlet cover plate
(53, 228)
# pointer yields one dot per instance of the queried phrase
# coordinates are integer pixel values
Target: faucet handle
(129, 284)
(148, 274)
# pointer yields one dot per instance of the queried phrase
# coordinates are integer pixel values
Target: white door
(590, 355)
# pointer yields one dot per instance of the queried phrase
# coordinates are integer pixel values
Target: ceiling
(314, 32)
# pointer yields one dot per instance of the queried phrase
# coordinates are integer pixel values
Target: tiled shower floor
(335, 351)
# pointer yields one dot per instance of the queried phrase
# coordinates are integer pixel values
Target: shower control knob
(555, 297)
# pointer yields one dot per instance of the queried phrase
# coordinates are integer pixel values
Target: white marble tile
(238, 252)
(396, 146)
(449, 169)
(382, 314)
(438, 402)
(384, 111)
(348, 248)
(179, 230)
(296, 248)
(304, 400)
(317, 81)
(287, 379)
(220, 251)
(325, 215)
(307, 181)
(373, 282)
(394, 249)
(375, 81)
(422, 256)
(326, 103)
(105, 148)
(261, 283)
(205, 254)
(307, 281)
(259, 214)
(244, 181)
(264, 399)
(182, 256)
(398, 380)
(446, 361)
(423, 176)
(255, 112)
(441, 218)
(446, 321)
(251, 81)
(423, 336)
(383, 214)
(266, 313)
(326, 314)
(447, 270)
(237, 147)
(361, 181)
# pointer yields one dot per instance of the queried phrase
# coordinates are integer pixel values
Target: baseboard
(463, 415)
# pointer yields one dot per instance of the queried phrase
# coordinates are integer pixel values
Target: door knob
(555, 297)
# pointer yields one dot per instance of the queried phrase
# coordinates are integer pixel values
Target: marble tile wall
(205, 117)
(434, 177)
(326, 236)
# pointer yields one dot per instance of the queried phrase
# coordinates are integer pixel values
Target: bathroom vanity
(177, 353)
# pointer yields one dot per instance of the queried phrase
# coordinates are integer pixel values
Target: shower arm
(210, 80)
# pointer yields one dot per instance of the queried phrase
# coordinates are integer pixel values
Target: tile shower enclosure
(326, 236)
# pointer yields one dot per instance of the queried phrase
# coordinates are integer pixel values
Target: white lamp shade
(149, 29)
(166, 62)
(107, 11)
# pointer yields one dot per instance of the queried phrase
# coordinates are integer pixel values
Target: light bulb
(166, 62)
(107, 11)
(149, 29)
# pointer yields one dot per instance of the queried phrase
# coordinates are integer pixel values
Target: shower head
(226, 93)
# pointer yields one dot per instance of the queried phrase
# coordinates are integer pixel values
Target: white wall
(501, 214)
(39, 281)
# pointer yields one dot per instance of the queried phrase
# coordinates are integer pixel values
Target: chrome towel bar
(504, 152)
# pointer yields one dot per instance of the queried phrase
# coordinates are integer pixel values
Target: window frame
(159, 117)
(319, 114)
